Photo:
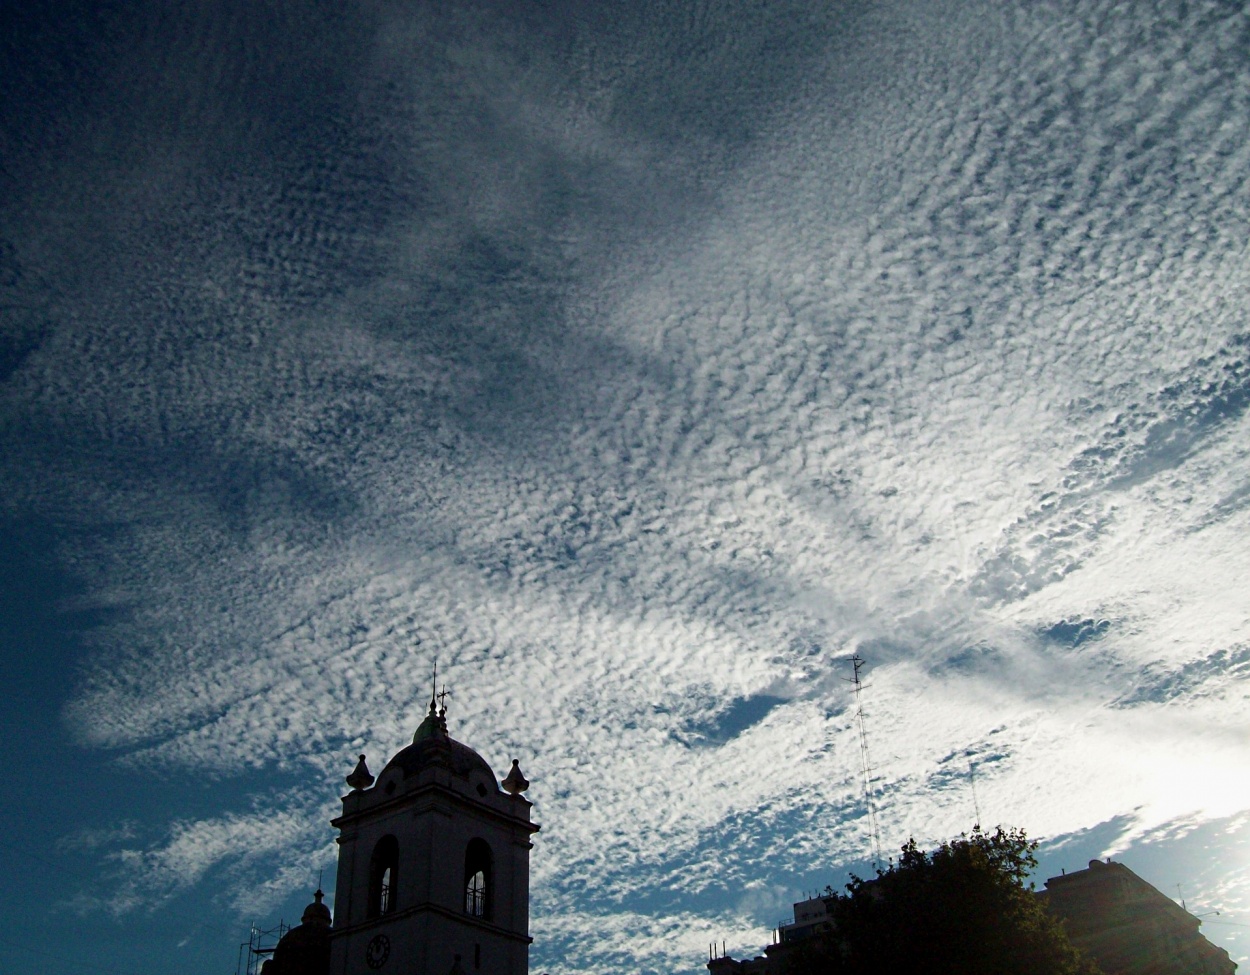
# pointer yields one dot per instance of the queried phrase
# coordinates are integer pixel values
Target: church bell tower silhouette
(433, 874)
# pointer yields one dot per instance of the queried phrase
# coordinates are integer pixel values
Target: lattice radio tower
(865, 764)
(972, 779)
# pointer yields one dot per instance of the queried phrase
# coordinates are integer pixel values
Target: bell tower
(433, 873)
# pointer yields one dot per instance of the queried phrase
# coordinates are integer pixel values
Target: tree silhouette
(964, 908)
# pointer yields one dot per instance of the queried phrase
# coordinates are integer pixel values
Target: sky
(641, 363)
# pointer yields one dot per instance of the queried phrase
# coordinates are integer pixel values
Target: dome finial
(435, 723)
(516, 782)
(361, 777)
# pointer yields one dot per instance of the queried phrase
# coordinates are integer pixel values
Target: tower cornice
(429, 907)
(427, 796)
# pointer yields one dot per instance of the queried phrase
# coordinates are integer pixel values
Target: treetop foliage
(965, 908)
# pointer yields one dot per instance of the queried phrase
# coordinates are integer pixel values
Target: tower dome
(305, 949)
(316, 913)
(432, 746)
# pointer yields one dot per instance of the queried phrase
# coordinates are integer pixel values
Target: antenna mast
(866, 766)
(976, 806)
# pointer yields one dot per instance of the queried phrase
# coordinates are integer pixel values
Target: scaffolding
(258, 946)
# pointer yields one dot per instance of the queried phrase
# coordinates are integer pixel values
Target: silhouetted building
(724, 965)
(433, 871)
(811, 917)
(1128, 927)
(1113, 916)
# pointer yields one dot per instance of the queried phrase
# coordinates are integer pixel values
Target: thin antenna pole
(866, 765)
(976, 806)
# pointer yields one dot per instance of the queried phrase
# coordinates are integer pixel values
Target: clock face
(377, 951)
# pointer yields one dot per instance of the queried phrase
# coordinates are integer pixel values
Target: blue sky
(642, 363)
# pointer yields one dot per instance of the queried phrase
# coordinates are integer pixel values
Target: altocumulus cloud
(642, 365)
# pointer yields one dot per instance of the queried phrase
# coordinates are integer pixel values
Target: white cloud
(280, 838)
(630, 423)
(88, 838)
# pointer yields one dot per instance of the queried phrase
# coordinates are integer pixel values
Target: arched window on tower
(478, 889)
(383, 874)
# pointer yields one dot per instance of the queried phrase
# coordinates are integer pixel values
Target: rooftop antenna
(434, 685)
(1185, 907)
(866, 766)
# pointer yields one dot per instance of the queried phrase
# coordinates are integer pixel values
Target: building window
(384, 895)
(383, 874)
(475, 895)
(477, 879)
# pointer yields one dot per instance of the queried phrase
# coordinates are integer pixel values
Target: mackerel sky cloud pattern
(641, 363)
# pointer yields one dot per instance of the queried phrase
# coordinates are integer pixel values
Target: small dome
(457, 756)
(434, 726)
(305, 949)
(316, 912)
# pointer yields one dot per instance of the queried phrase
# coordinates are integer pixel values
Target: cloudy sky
(641, 362)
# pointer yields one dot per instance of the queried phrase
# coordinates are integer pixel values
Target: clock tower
(433, 873)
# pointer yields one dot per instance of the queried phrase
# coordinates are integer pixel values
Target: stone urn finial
(516, 782)
(361, 777)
